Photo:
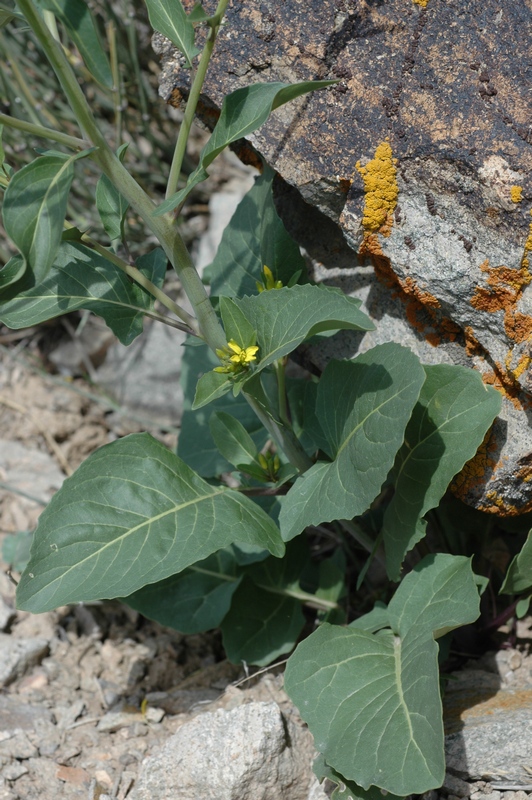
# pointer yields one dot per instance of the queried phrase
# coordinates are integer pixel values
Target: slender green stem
(44, 133)
(193, 98)
(362, 538)
(280, 370)
(143, 281)
(117, 99)
(284, 437)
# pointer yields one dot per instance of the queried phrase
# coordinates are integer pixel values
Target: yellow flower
(235, 358)
(268, 281)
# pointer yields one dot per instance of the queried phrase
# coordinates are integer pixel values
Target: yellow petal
(234, 346)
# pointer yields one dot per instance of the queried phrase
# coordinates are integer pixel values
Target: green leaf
(283, 318)
(132, 514)
(16, 549)
(374, 620)
(195, 444)
(169, 18)
(372, 701)
(363, 406)
(264, 620)
(243, 111)
(254, 237)
(77, 19)
(210, 387)
(450, 419)
(197, 14)
(194, 600)
(236, 326)
(347, 790)
(521, 609)
(80, 278)
(232, 439)
(519, 575)
(10, 274)
(34, 211)
(112, 207)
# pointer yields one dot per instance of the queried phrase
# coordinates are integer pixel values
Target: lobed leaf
(363, 406)
(372, 701)
(80, 278)
(449, 421)
(242, 112)
(132, 514)
(169, 18)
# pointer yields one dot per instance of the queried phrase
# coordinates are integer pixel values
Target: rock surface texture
(421, 155)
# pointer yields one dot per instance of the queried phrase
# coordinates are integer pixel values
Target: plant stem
(280, 371)
(193, 98)
(284, 437)
(117, 100)
(44, 133)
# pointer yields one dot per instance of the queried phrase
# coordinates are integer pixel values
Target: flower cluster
(268, 281)
(235, 359)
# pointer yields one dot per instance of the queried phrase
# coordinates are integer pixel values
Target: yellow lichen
(516, 193)
(422, 3)
(528, 248)
(381, 190)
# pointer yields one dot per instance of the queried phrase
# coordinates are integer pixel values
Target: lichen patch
(381, 190)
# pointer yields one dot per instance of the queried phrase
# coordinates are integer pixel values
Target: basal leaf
(194, 600)
(77, 19)
(80, 278)
(169, 18)
(34, 211)
(195, 444)
(283, 318)
(347, 790)
(255, 237)
(243, 111)
(132, 514)
(519, 575)
(112, 206)
(372, 701)
(232, 439)
(363, 406)
(450, 419)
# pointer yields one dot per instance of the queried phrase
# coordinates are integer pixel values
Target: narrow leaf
(210, 387)
(448, 424)
(34, 211)
(77, 19)
(243, 111)
(255, 237)
(232, 440)
(194, 600)
(519, 575)
(80, 278)
(169, 18)
(372, 701)
(364, 406)
(112, 206)
(133, 514)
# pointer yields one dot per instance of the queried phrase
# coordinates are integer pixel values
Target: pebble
(14, 771)
(16, 745)
(17, 656)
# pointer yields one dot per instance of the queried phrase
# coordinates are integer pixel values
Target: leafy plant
(279, 482)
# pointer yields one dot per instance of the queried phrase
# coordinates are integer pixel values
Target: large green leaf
(372, 701)
(236, 326)
(77, 19)
(363, 407)
(283, 318)
(448, 424)
(195, 444)
(519, 576)
(194, 600)
(243, 111)
(232, 439)
(112, 206)
(255, 237)
(80, 278)
(131, 515)
(169, 18)
(34, 211)
(347, 790)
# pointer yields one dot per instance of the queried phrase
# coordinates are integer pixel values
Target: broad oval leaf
(77, 19)
(363, 406)
(449, 421)
(243, 111)
(372, 701)
(131, 515)
(169, 18)
(254, 238)
(34, 210)
(283, 318)
(80, 278)
(232, 439)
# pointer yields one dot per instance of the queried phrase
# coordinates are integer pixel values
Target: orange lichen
(472, 345)
(516, 193)
(498, 505)
(381, 190)
(477, 470)
(528, 248)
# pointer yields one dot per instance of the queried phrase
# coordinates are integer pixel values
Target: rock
(17, 656)
(442, 89)
(7, 614)
(16, 715)
(14, 771)
(251, 751)
(15, 744)
(119, 717)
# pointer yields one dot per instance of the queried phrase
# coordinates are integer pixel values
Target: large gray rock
(249, 752)
(442, 88)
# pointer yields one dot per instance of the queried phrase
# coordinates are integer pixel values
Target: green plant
(307, 457)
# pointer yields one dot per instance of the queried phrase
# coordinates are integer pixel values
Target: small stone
(118, 718)
(515, 660)
(456, 786)
(74, 775)
(155, 714)
(14, 771)
(16, 745)
(18, 656)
